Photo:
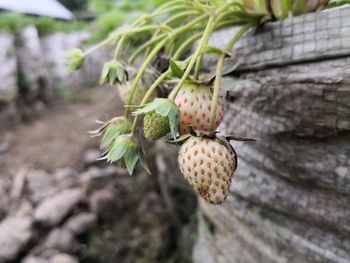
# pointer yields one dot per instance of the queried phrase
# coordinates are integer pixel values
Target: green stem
(219, 68)
(148, 95)
(141, 72)
(202, 43)
(122, 33)
(145, 46)
(186, 44)
(197, 68)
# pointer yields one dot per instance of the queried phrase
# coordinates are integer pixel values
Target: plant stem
(197, 68)
(148, 95)
(144, 46)
(156, 37)
(219, 68)
(202, 43)
(185, 45)
(141, 71)
(122, 33)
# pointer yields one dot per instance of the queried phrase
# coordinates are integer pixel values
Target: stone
(81, 223)
(90, 157)
(104, 204)
(34, 74)
(40, 185)
(96, 178)
(8, 71)
(15, 233)
(63, 258)
(55, 47)
(64, 174)
(62, 240)
(34, 259)
(5, 186)
(52, 210)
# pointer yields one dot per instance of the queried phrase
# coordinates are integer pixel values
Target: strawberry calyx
(111, 129)
(125, 149)
(163, 107)
(113, 72)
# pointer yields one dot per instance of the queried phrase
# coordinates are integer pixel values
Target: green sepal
(111, 130)
(74, 59)
(177, 69)
(143, 161)
(124, 148)
(113, 72)
(165, 108)
(179, 140)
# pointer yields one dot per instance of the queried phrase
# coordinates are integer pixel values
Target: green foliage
(12, 22)
(113, 14)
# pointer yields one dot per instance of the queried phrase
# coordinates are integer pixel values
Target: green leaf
(175, 69)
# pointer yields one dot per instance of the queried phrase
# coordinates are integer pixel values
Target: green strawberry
(155, 126)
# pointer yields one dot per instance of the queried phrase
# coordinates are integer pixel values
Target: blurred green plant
(113, 14)
(12, 22)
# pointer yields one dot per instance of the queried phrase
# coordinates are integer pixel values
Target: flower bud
(75, 59)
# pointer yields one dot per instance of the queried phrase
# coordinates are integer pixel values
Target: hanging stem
(142, 71)
(219, 68)
(202, 43)
(148, 95)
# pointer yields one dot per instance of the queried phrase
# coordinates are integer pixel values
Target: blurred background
(57, 203)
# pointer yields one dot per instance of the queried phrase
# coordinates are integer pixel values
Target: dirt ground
(60, 135)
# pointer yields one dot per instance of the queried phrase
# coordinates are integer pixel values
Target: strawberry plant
(190, 115)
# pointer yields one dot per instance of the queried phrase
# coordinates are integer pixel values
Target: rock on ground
(81, 223)
(104, 204)
(62, 240)
(33, 259)
(53, 209)
(63, 258)
(15, 234)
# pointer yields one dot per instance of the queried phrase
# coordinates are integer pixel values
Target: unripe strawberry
(155, 126)
(194, 103)
(208, 166)
(125, 90)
